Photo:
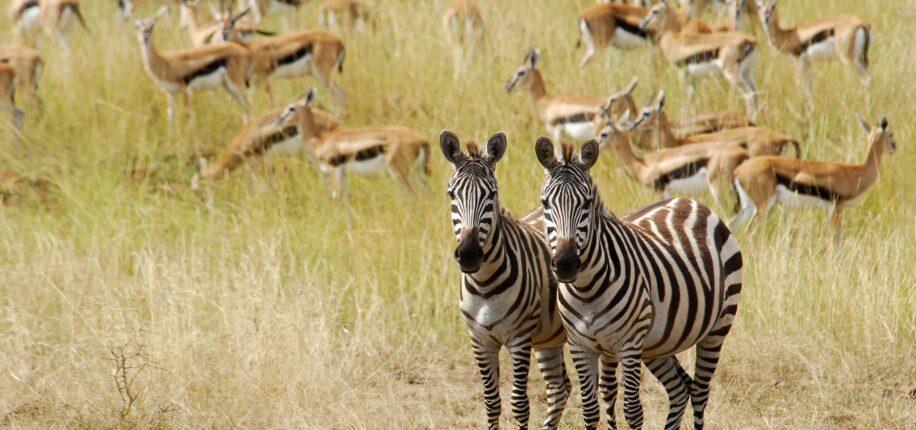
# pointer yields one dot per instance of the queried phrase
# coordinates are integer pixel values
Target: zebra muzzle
(469, 254)
(566, 260)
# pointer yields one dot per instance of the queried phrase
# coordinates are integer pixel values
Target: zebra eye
(451, 195)
(492, 195)
(545, 203)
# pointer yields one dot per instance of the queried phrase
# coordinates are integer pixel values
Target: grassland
(279, 308)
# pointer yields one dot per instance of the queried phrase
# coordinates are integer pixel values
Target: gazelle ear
(863, 123)
(660, 103)
(496, 148)
(311, 96)
(533, 58)
(883, 123)
(623, 120)
(241, 14)
(543, 148)
(588, 155)
(632, 85)
(450, 147)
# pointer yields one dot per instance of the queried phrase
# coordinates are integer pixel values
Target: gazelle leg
(836, 223)
(239, 96)
(746, 89)
(170, 112)
(553, 370)
(186, 98)
(806, 81)
(590, 48)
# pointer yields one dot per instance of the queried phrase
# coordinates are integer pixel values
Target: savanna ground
(127, 303)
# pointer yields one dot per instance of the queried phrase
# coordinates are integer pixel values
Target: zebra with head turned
(639, 288)
(508, 292)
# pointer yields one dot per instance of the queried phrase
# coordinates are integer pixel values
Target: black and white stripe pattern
(508, 293)
(639, 288)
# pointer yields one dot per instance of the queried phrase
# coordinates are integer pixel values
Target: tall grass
(125, 302)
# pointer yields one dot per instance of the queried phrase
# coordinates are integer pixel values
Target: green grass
(281, 308)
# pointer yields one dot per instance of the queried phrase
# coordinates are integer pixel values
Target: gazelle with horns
(183, 72)
(733, 128)
(310, 52)
(28, 65)
(259, 138)
(463, 22)
(764, 181)
(728, 55)
(845, 37)
(206, 34)
(364, 150)
(683, 170)
(563, 114)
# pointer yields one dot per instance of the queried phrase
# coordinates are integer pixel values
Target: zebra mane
(473, 150)
(568, 150)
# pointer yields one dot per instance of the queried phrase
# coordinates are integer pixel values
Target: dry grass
(281, 309)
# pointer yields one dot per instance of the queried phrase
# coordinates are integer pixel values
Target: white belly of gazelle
(212, 80)
(370, 167)
(291, 146)
(626, 40)
(704, 70)
(299, 67)
(580, 131)
(789, 198)
(822, 50)
(695, 184)
(29, 19)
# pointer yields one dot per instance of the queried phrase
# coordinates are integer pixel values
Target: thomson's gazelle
(224, 64)
(764, 181)
(364, 150)
(205, 34)
(28, 65)
(463, 22)
(562, 114)
(845, 37)
(52, 16)
(611, 24)
(726, 54)
(333, 13)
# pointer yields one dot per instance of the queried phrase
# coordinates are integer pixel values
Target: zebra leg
(609, 388)
(670, 373)
(488, 362)
(520, 353)
(553, 369)
(631, 363)
(586, 363)
(708, 356)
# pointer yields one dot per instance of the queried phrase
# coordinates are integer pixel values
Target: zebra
(639, 288)
(508, 292)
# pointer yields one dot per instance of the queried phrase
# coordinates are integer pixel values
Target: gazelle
(845, 37)
(261, 137)
(611, 24)
(206, 34)
(7, 102)
(26, 18)
(225, 64)
(364, 150)
(764, 181)
(260, 8)
(730, 55)
(463, 22)
(688, 169)
(52, 16)
(333, 13)
(562, 114)
(28, 65)
(733, 128)
(310, 52)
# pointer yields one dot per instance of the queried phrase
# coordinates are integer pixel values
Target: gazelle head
(767, 12)
(570, 199)
(524, 76)
(125, 9)
(226, 20)
(648, 116)
(620, 96)
(612, 133)
(659, 18)
(879, 137)
(145, 26)
(295, 114)
(473, 193)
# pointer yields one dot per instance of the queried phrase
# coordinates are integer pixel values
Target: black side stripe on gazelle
(574, 118)
(295, 56)
(699, 58)
(809, 190)
(362, 155)
(208, 69)
(632, 29)
(685, 171)
(268, 141)
(814, 40)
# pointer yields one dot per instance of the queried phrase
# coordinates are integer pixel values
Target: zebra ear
(450, 146)
(588, 156)
(496, 148)
(544, 150)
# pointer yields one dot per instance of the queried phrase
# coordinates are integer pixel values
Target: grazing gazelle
(205, 34)
(261, 137)
(562, 114)
(333, 13)
(756, 140)
(845, 37)
(611, 24)
(28, 65)
(7, 102)
(364, 150)
(463, 22)
(640, 288)
(225, 64)
(764, 181)
(508, 291)
(726, 54)
(690, 169)
(310, 52)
